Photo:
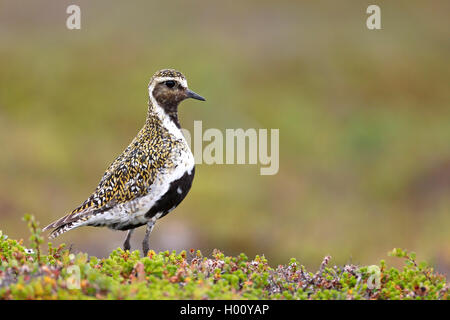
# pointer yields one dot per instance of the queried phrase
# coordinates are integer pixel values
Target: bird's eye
(170, 83)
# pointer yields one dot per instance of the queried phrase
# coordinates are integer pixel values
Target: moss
(29, 274)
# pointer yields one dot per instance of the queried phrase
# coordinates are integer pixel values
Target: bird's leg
(148, 230)
(126, 244)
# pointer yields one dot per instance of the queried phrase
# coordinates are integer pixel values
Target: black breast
(177, 192)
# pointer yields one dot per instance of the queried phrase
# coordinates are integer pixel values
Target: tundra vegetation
(27, 273)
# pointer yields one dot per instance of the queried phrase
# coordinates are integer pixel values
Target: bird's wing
(127, 178)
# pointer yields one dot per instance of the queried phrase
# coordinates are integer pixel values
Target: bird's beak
(193, 95)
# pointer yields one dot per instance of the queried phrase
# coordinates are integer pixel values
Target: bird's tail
(60, 230)
(61, 226)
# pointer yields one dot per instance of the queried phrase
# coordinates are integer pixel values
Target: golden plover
(151, 177)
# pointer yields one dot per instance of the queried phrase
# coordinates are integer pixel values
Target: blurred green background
(364, 121)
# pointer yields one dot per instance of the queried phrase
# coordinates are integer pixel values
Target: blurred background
(364, 120)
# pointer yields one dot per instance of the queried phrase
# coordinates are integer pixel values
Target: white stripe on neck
(167, 122)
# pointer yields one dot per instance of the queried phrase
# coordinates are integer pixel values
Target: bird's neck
(164, 114)
(162, 120)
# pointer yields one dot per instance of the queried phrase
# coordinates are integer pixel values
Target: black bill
(193, 95)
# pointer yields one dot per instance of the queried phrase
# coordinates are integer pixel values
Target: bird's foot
(126, 244)
(145, 243)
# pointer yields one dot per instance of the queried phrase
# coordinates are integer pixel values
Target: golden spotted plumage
(153, 154)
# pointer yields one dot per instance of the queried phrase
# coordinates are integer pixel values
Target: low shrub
(26, 273)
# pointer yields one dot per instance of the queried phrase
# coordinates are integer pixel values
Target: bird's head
(168, 88)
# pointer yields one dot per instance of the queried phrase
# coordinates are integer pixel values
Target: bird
(151, 177)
